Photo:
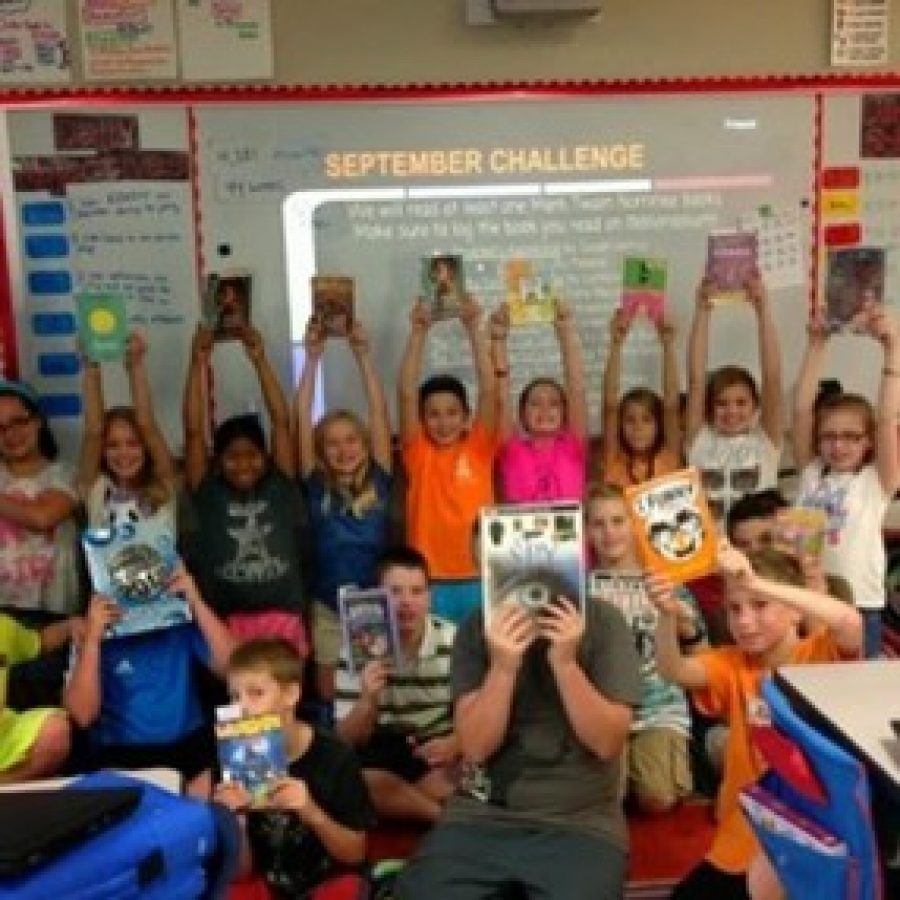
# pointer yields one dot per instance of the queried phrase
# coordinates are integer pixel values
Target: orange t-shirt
(732, 691)
(447, 486)
(615, 468)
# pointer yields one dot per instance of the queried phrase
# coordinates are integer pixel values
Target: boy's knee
(55, 737)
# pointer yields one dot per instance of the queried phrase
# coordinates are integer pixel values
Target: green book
(102, 326)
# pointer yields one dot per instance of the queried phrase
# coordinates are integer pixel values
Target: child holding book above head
(126, 471)
(544, 459)
(765, 600)
(399, 716)
(733, 429)
(448, 454)
(850, 465)
(641, 431)
(308, 836)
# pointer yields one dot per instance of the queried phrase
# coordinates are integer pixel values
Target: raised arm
(803, 427)
(698, 356)
(486, 408)
(276, 403)
(314, 347)
(92, 426)
(772, 399)
(612, 388)
(883, 327)
(573, 370)
(411, 370)
(498, 331)
(671, 389)
(216, 634)
(196, 449)
(379, 420)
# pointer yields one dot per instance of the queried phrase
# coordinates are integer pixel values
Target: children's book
(644, 287)
(530, 294)
(854, 277)
(369, 627)
(731, 261)
(132, 563)
(102, 326)
(801, 530)
(251, 750)
(532, 555)
(675, 531)
(333, 300)
(625, 590)
(227, 300)
(443, 285)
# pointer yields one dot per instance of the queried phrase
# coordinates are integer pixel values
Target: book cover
(102, 326)
(675, 531)
(132, 563)
(644, 287)
(800, 531)
(731, 261)
(369, 627)
(227, 303)
(333, 302)
(853, 277)
(627, 591)
(251, 750)
(531, 555)
(443, 285)
(530, 294)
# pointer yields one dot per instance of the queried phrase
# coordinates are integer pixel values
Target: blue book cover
(251, 752)
(369, 627)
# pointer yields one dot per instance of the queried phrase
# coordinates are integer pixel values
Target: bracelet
(888, 372)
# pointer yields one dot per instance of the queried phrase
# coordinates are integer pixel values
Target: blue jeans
(871, 633)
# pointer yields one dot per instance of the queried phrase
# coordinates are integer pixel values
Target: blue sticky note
(48, 324)
(43, 212)
(46, 282)
(61, 405)
(46, 246)
(51, 364)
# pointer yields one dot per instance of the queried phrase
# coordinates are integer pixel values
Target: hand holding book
(563, 626)
(510, 633)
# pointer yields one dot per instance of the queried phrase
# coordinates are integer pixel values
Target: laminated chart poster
(124, 40)
(34, 44)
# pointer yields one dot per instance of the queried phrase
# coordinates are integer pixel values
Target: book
(251, 750)
(443, 284)
(644, 287)
(102, 326)
(333, 301)
(673, 525)
(132, 563)
(531, 555)
(369, 627)
(530, 294)
(627, 591)
(853, 277)
(800, 531)
(731, 261)
(227, 303)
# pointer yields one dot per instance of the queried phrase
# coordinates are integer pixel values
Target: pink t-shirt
(546, 470)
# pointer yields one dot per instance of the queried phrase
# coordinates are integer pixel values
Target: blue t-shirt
(347, 546)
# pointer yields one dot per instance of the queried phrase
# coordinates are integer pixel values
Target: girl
(346, 474)
(641, 432)
(545, 460)
(850, 466)
(733, 431)
(38, 567)
(247, 505)
(658, 763)
(126, 471)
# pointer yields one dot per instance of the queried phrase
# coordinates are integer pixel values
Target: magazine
(102, 326)
(369, 627)
(443, 285)
(625, 590)
(853, 277)
(227, 300)
(675, 531)
(132, 563)
(333, 300)
(801, 531)
(530, 295)
(644, 287)
(731, 261)
(251, 750)
(532, 555)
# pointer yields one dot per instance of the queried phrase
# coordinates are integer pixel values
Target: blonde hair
(274, 656)
(359, 496)
(778, 566)
(604, 490)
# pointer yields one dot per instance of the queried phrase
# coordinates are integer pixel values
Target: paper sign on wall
(34, 43)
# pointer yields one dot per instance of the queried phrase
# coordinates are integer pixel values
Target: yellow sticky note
(840, 204)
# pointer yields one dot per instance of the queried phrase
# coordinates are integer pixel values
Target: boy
(311, 833)
(34, 743)
(401, 721)
(448, 457)
(543, 708)
(765, 601)
(139, 696)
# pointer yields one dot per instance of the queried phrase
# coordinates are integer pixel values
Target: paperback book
(102, 326)
(133, 563)
(627, 591)
(443, 285)
(530, 294)
(644, 287)
(333, 301)
(251, 750)
(801, 531)
(369, 627)
(227, 299)
(532, 555)
(854, 277)
(731, 261)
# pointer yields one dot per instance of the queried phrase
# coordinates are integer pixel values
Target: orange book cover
(675, 532)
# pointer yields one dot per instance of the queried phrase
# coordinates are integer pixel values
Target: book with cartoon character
(443, 285)
(369, 626)
(251, 750)
(530, 294)
(102, 326)
(644, 287)
(675, 531)
(531, 555)
(801, 530)
(332, 297)
(132, 562)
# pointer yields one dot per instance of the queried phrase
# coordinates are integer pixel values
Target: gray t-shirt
(542, 774)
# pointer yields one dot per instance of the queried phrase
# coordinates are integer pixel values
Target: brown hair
(359, 496)
(603, 490)
(852, 403)
(653, 404)
(544, 382)
(274, 656)
(726, 377)
(777, 566)
(151, 489)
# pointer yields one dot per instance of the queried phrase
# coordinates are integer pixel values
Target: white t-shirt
(108, 505)
(855, 503)
(38, 570)
(733, 465)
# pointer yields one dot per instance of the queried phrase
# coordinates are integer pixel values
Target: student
(850, 466)
(734, 430)
(309, 838)
(765, 600)
(138, 695)
(126, 471)
(545, 458)
(448, 457)
(38, 563)
(400, 718)
(641, 431)
(659, 768)
(346, 472)
(248, 505)
(34, 743)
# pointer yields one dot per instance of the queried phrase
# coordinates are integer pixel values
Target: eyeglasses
(842, 437)
(15, 424)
